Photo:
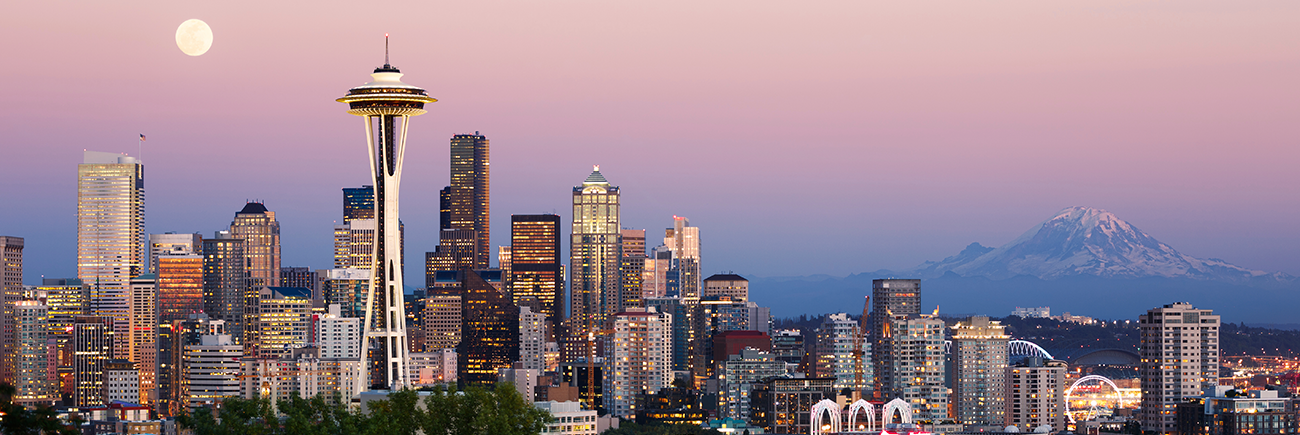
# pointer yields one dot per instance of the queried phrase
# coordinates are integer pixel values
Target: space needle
(386, 105)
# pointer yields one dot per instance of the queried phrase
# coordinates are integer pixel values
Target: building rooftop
(253, 207)
(725, 277)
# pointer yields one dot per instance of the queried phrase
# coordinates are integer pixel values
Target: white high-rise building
(121, 382)
(916, 366)
(835, 352)
(337, 336)
(1180, 360)
(31, 380)
(638, 357)
(532, 339)
(979, 362)
(1035, 395)
(212, 370)
(110, 235)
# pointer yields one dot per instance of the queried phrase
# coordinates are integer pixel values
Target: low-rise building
(1234, 412)
(570, 418)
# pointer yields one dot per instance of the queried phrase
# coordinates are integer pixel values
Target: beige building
(1036, 395)
(143, 339)
(31, 383)
(727, 284)
(1180, 360)
(110, 235)
(442, 317)
(261, 233)
(594, 246)
(283, 322)
(638, 353)
(978, 367)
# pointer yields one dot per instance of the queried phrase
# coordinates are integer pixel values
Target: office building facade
(261, 233)
(594, 252)
(469, 195)
(535, 265)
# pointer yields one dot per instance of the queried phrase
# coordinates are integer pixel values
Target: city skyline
(1180, 127)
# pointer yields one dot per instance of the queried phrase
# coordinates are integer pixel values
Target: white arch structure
(1069, 393)
(822, 407)
(904, 409)
(1027, 348)
(853, 416)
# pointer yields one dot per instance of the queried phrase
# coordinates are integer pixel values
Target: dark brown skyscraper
(535, 265)
(469, 196)
(489, 331)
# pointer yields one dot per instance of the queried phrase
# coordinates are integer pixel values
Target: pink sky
(831, 137)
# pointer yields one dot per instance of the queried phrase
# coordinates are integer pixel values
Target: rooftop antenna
(386, 49)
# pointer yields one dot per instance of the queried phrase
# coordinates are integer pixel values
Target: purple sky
(833, 137)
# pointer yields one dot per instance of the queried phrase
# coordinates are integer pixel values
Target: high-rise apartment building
(261, 233)
(532, 339)
(631, 269)
(1036, 395)
(535, 265)
(283, 322)
(788, 346)
(1180, 360)
(737, 377)
(638, 355)
(337, 336)
(442, 322)
(172, 244)
(916, 370)
(489, 331)
(180, 285)
(11, 287)
(225, 282)
(354, 244)
(593, 261)
(173, 340)
(835, 352)
(889, 298)
(301, 277)
(92, 340)
(31, 382)
(110, 231)
(679, 353)
(978, 371)
(469, 194)
(143, 339)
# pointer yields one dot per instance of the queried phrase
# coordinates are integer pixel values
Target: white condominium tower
(1180, 360)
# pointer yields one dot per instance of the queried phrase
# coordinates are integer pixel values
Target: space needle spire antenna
(386, 106)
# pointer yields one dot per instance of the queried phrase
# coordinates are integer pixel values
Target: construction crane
(859, 335)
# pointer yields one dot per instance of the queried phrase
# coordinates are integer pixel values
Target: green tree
(236, 417)
(18, 420)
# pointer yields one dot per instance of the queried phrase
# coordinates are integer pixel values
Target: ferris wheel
(1092, 396)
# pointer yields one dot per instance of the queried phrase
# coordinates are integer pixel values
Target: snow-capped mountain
(1082, 241)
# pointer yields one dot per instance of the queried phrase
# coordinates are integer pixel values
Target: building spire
(386, 50)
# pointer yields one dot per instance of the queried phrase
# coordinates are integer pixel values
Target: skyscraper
(358, 203)
(92, 339)
(684, 242)
(631, 268)
(225, 281)
(594, 252)
(470, 195)
(354, 244)
(889, 298)
(1180, 360)
(283, 321)
(387, 105)
(532, 339)
(639, 354)
(110, 232)
(172, 244)
(978, 368)
(143, 339)
(489, 331)
(535, 265)
(11, 287)
(261, 233)
(31, 381)
(915, 372)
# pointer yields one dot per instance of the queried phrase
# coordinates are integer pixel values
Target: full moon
(194, 37)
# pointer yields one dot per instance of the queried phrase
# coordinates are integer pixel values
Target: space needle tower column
(387, 105)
